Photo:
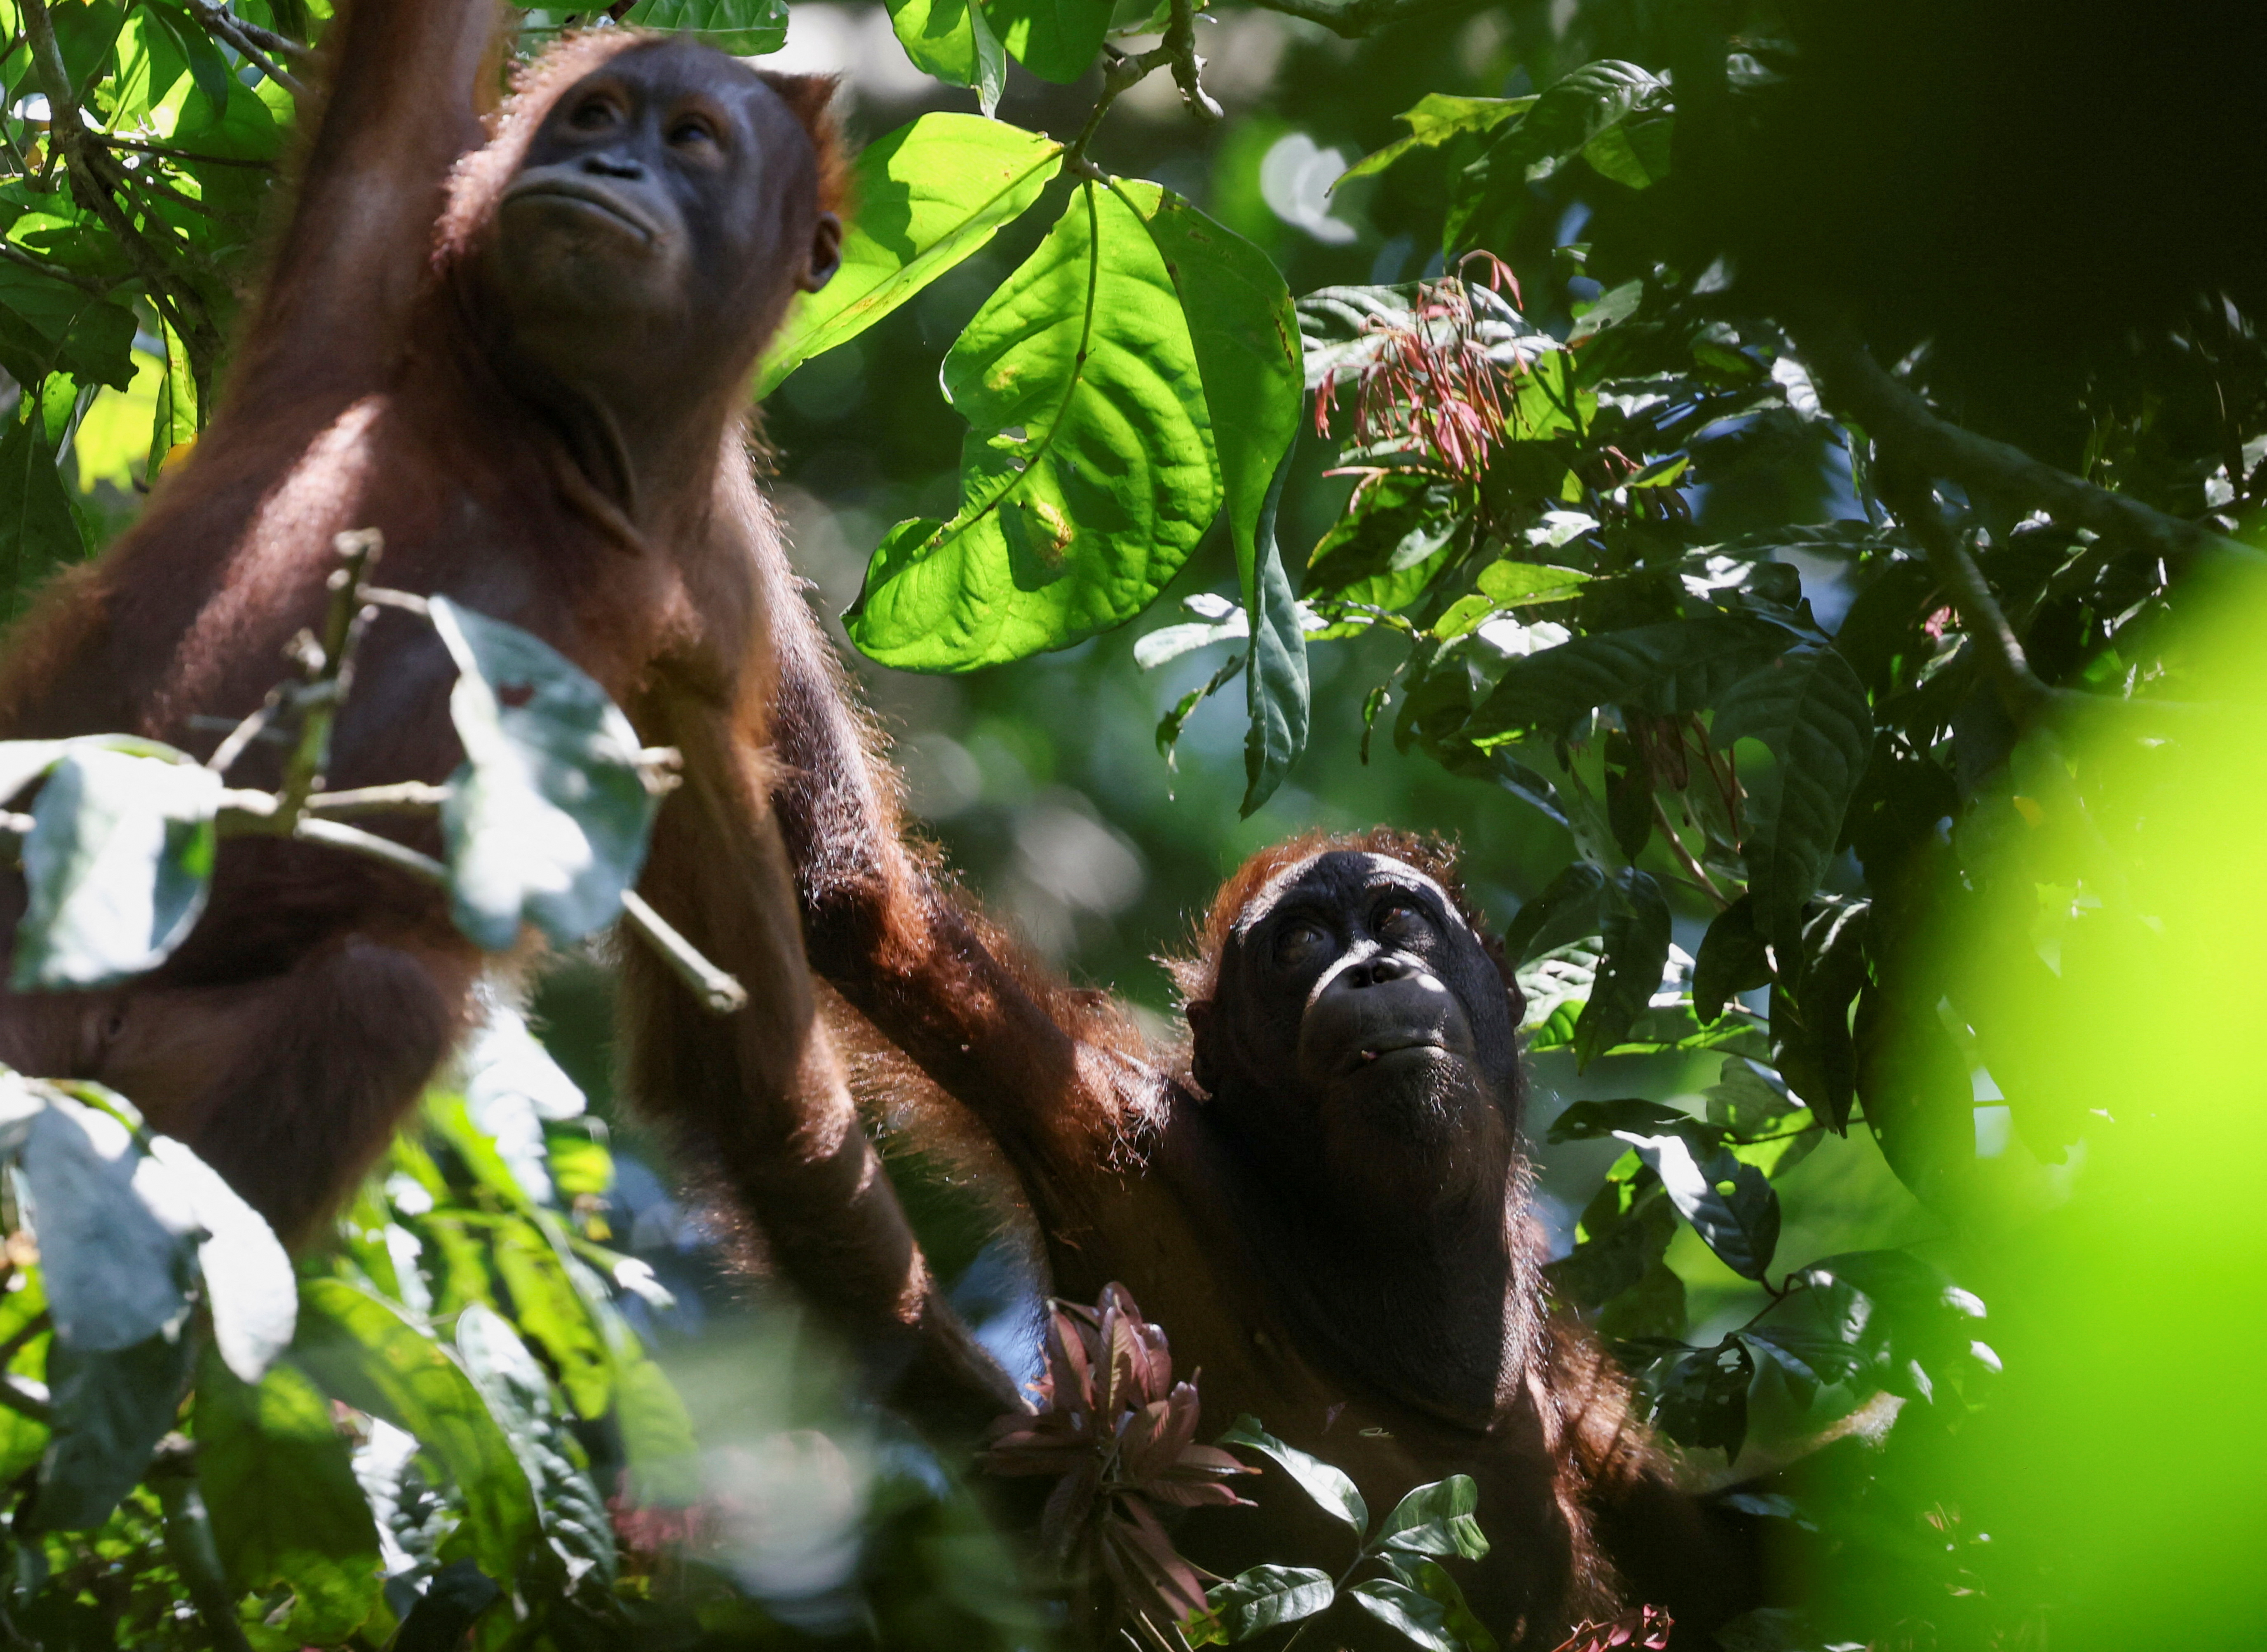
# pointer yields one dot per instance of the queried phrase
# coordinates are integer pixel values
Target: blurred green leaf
(518, 1394)
(1088, 472)
(1568, 909)
(111, 1407)
(1731, 961)
(928, 194)
(38, 532)
(745, 28)
(279, 1482)
(546, 821)
(1593, 1120)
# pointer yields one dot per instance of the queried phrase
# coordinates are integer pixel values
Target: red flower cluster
(1435, 378)
(1122, 1434)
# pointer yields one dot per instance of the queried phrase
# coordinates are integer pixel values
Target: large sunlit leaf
(118, 864)
(546, 821)
(116, 1273)
(1246, 338)
(954, 40)
(1730, 1204)
(1087, 474)
(1419, 1619)
(745, 28)
(927, 195)
(1437, 1519)
(1056, 39)
(1809, 710)
(278, 1481)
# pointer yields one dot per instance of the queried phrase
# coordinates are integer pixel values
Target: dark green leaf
(1811, 1041)
(1919, 1100)
(745, 28)
(444, 1613)
(115, 1273)
(1257, 1600)
(1568, 910)
(1433, 1581)
(1593, 1120)
(48, 326)
(1730, 1204)
(545, 823)
(207, 66)
(1664, 671)
(1088, 471)
(1421, 1619)
(1809, 711)
(518, 1394)
(1438, 1519)
(279, 1481)
(1635, 954)
(1389, 543)
(38, 531)
(1437, 118)
(1732, 961)
(1700, 1395)
(1333, 1491)
(111, 1407)
(928, 195)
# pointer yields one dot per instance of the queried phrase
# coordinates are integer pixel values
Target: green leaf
(546, 821)
(519, 1397)
(744, 28)
(279, 1482)
(1812, 1043)
(1438, 117)
(50, 326)
(1635, 957)
(111, 1407)
(1810, 710)
(1667, 669)
(928, 194)
(366, 1353)
(206, 64)
(1566, 119)
(1700, 1395)
(1634, 152)
(1333, 1491)
(1510, 584)
(953, 40)
(1593, 1120)
(1438, 1519)
(180, 414)
(1245, 335)
(1433, 1581)
(115, 1273)
(1568, 910)
(1730, 1204)
(249, 1287)
(1390, 542)
(1732, 961)
(38, 532)
(1056, 39)
(1088, 471)
(444, 1615)
(1259, 1599)
(1921, 1102)
(1419, 1618)
(658, 1436)
(547, 1307)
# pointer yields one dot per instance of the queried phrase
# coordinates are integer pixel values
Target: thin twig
(1914, 499)
(1700, 878)
(1181, 44)
(248, 39)
(239, 738)
(404, 796)
(17, 256)
(399, 856)
(25, 1333)
(165, 153)
(1854, 384)
(1121, 74)
(332, 676)
(715, 989)
(26, 1397)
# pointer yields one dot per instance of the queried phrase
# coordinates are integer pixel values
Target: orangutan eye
(1401, 922)
(592, 114)
(1299, 943)
(688, 132)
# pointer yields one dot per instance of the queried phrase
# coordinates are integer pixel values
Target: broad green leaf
(50, 326)
(1700, 1395)
(206, 64)
(116, 1273)
(927, 195)
(1568, 910)
(1566, 119)
(953, 40)
(150, 63)
(38, 532)
(1920, 1103)
(249, 1286)
(1731, 960)
(745, 28)
(1438, 1519)
(1510, 584)
(1634, 152)
(1245, 335)
(548, 1310)
(1809, 710)
(1257, 1600)
(1664, 670)
(658, 1436)
(1817, 1337)
(545, 823)
(1630, 966)
(111, 1407)
(1056, 39)
(1730, 1204)
(1088, 471)
(1438, 117)
(180, 414)
(518, 1394)
(114, 435)
(279, 1482)
(1398, 531)
(1330, 1488)
(366, 1353)
(1433, 1581)
(1591, 1121)
(1812, 1042)
(1419, 1618)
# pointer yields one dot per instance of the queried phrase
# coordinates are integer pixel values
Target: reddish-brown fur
(321, 992)
(1107, 1140)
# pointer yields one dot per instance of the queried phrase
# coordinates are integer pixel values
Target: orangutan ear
(1204, 1066)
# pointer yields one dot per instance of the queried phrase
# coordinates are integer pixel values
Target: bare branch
(1181, 44)
(15, 255)
(1855, 384)
(164, 152)
(716, 990)
(1910, 496)
(250, 38)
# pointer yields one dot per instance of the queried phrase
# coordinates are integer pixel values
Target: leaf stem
(1699, 874)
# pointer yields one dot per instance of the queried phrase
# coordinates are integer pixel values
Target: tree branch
(250, 38)
(1854, 384)
(1353, 19)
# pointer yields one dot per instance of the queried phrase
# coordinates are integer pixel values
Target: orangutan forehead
(1333, 878)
